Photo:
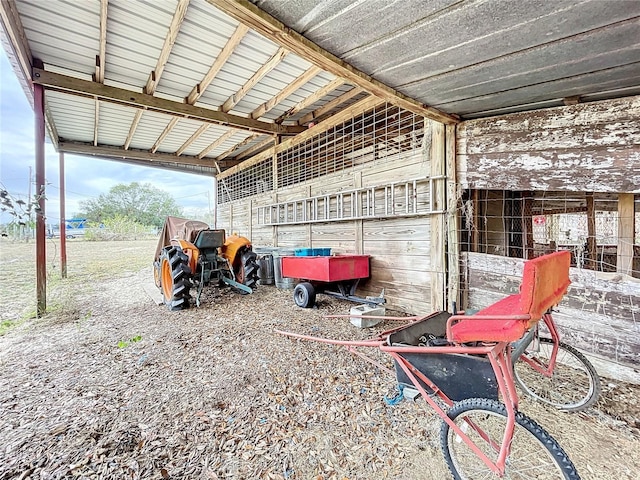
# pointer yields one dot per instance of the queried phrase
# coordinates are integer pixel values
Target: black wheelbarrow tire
(304, 295)
(534, 453)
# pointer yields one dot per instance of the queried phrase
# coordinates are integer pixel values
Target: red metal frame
(545, 281)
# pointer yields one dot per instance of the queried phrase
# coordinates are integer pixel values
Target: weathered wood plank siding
(589, 147)
(400, 248)
(600, 315)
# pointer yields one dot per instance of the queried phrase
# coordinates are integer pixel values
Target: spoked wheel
(247, 271)
(574, 385)
(534, 453)
(175, 278)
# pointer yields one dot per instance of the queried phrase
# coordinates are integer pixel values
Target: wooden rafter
(327, 107)
(120, 96)
(142, 155)
(98, 76)
(102, 51)
(276, 31)
(96, 120)
(311, 99)
(234, 99)
(218, 63)
(364, 105)
(203, 128)
(132, 128)
(256, 148)
(172, 123)
(223, 138)
(170, 39)
(285, 92)
(237, 146)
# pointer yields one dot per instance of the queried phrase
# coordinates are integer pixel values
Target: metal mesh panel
(384, 131)
(530, 224)
(245, 183)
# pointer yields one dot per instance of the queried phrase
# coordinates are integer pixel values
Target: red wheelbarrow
(336, 275)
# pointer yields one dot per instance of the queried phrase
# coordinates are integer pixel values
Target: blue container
(312, 252)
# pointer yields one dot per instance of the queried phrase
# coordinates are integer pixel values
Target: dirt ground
(111, 385)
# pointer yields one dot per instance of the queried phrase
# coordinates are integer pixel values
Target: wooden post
(475, 232)
(592, 253)
(438, 233)
(358, 224)
(453, 223)
(274, 173)
(625, 233)
(63, 231)
(41, 252)
(527, 225)
(215, 202)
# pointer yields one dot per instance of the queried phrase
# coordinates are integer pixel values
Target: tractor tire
(175, 276)
(247, 271)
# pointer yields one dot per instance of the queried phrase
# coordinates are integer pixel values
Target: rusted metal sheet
(585, 147)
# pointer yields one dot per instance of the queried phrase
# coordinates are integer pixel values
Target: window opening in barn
(524, 224)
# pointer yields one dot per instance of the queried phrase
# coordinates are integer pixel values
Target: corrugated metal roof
(465, 57)
(473, 58)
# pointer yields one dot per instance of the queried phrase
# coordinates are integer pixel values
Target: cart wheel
(304, 295)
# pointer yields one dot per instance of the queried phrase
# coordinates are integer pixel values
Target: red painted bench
(544, 282)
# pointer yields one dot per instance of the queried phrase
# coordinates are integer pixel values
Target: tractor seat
(209, 240)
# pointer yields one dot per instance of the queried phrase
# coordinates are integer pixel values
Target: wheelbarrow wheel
(574, 385)
(304, 295)
(533, 454)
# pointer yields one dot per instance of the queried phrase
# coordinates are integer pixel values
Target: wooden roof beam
(255, 148)
(223, 138)
(237, 146)
(98, 76)
(144, 155)
(120, 96)
(311, 99)
(234, 99)
(327, 107)
(203, 128)
(170, 39)
(218, 63)
(285, 92)
(132, 128)
(276, 31)
(172, 123)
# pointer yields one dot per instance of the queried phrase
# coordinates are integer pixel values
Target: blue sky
(85, 177)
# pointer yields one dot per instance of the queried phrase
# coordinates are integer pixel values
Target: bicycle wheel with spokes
(533, 453)
(574, 384)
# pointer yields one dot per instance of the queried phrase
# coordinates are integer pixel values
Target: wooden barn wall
(590, 147)
(599, 315)
(399, 247)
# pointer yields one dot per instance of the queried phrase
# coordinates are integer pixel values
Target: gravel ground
(111, 386)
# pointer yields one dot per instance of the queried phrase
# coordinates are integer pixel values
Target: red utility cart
(326, 274)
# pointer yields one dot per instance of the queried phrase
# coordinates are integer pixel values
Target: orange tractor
(190, 254)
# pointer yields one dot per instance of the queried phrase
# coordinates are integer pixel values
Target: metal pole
(63, 225)
(41, 253)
